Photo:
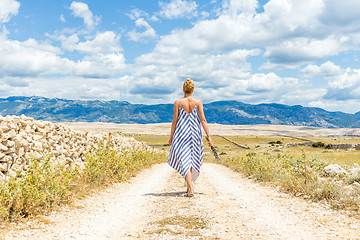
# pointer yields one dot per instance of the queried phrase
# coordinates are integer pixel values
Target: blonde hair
(188, 86)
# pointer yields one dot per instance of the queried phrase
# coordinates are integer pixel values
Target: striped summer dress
(186, 149)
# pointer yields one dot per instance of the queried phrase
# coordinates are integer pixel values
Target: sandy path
(226, 206)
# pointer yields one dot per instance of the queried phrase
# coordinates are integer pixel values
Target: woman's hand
(211, 144)
(170, 141)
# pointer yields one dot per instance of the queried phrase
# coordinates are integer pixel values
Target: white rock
(13, 125)
(11, 133)
(3, 147)
(10, 143)
(21, 142)
(40, 124)
(20, 152)
(354, 171)
(36, 155)
(11, 173)
(335, 169)
(37, 137)
(4, 127)
(28, 129)
(47, 129)
(17, 167)
(2, 168)
(38, 147)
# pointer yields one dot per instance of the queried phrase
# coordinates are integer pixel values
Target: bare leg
(189, 182)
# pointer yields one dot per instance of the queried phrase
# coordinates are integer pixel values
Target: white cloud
(302, 50)
(178, 9)
(30, 58)
(68, 87)
(33, 58)
(235, 7)
(348, 106)
(205, 14)
(8, 8)
(289, 30)
(62, 18)
(341, 13)
(101, 43)
(137, 13)
(82, 10)
(350, 79)
(149, 32)
(100, 65)
(343, 84)
(327, 69)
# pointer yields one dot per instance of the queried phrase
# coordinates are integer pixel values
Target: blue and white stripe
(186, 149)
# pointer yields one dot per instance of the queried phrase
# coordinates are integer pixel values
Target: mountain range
(222, 112)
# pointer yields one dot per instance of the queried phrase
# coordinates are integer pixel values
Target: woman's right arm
(175, 118)
(204, 123)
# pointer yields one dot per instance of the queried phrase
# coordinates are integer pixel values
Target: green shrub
(318, 144)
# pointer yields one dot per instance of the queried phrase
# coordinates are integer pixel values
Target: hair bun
(188, 86)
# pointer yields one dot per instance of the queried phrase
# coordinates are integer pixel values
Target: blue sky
(283, 51)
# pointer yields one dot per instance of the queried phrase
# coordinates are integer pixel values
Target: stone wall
(24, 138)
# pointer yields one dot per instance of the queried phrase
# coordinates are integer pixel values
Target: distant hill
(222, 112)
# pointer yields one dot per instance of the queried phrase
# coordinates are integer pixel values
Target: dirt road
(226, 206)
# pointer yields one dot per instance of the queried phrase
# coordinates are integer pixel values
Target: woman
(186, 151)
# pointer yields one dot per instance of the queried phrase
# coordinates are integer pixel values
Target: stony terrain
(23, 139)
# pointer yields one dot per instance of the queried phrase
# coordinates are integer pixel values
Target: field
(267, 145)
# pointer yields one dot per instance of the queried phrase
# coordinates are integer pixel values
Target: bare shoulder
(177, 103)
(198, 103)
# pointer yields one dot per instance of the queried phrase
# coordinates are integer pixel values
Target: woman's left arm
(175, 118)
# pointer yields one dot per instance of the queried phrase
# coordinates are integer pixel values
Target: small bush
(277, 142)
(321, 145)
(353, 178)
(318, 144)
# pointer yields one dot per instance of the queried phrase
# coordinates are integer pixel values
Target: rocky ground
(225, 206)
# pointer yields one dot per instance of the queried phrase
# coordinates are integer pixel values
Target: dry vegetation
(45, 185)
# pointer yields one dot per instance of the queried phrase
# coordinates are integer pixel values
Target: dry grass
(298, 170)
(45, 185)
(179, 225)
(160, 142)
